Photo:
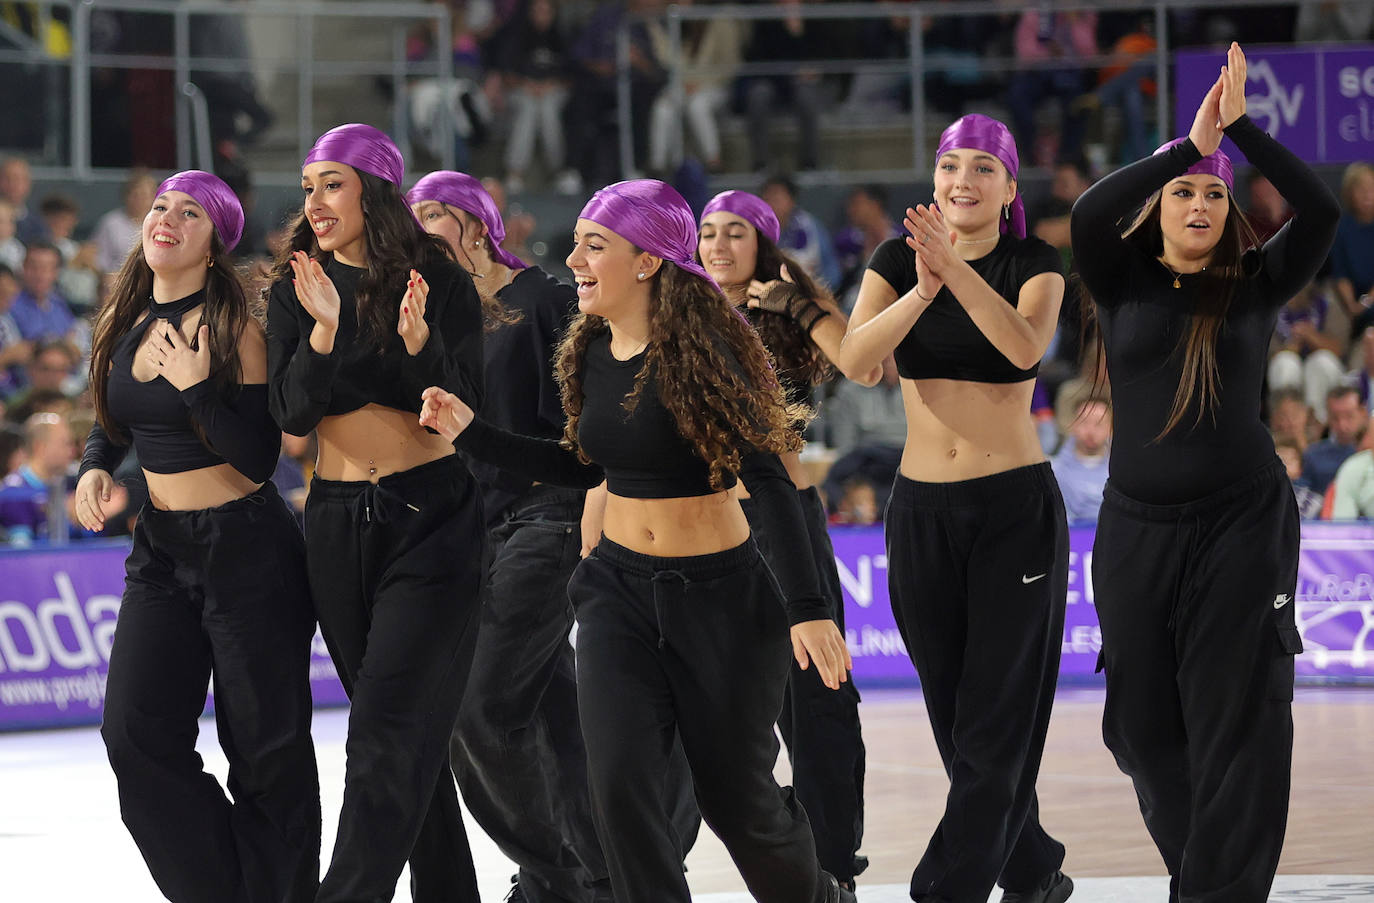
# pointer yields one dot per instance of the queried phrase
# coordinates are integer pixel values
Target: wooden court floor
(1087, 803)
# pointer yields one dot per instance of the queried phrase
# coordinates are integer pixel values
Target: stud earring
(640, 277)
(477, 244)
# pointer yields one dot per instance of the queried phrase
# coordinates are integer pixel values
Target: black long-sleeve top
(162, 421)
(522, 395)
(642, 455)
(1145, 322)
(305, 386)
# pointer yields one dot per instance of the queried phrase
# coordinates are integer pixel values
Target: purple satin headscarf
(1214, 164)
(216, 198)
(978, 132)
(751, 207)
(653, 216)
(361, 147)
(458, 189)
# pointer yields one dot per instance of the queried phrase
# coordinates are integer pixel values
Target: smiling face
(971, 187)
(1192, 215)
(176, 233)
(606, 267)
(334, 208)
(728, 246)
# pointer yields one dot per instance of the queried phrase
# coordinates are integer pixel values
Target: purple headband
(1214, 164)
(751, 207)
(361, 147)
(653, 216)
(466, 193)
(216, 198)
(978, 132)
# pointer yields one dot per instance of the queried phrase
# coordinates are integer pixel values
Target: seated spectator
(16, 182)
(1126, 84)
(1352, 266)
(15, 350)
(1346, 420)
(458, 111)
(711, 54)
(49, 450)
(1305, 354)
(858, 503)
(1051, 217)
(529, 52)
(79, 279)
(1291, 419)
(856, 417)
(1267, 211)
(874, 464)
(11, 248)
(1352, 490)
(868, 226)
(1081, 465)
(40, 312)
(1043, 34)
(1091, 382)
(1309, 502)
(802, 236)
(117, 230)
(794, 40)
(47, 377)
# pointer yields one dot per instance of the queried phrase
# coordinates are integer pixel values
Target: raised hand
(1231, 105)
(445, 413)
(315, 291)
(92, 494)
(820, 643)
(1206, 130)
(175, 360)
(410, 322)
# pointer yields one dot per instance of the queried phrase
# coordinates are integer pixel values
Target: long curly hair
(799, 359)
(227, 312)
(395, 243)
(711, 371)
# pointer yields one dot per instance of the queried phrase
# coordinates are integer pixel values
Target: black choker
(173, 310)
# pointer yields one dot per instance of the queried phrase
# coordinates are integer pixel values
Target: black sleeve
(242, 432)
(102, 452)
(542, 460)
(452, 357)
(1038, 257)
(1099, 252)
(298, 378)
(896, 263)
(775, 496)
(1294, 255)
(556, 306)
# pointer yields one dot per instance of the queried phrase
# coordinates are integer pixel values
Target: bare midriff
(193, 490)
(373, 442)
(674, 528)
(960, 430)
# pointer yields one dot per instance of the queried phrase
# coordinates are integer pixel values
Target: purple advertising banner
(57, 620)
(1317, 100)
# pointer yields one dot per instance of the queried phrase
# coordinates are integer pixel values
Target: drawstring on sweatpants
(658, 601)
(377, 503)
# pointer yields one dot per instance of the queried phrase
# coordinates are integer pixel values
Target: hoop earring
(209, 263)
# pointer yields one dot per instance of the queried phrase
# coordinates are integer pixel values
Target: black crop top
(945, 343)
(305, 386)
(1145, 320)
(161, 420)
(644, 456)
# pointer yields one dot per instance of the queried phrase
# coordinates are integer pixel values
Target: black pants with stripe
(978, 576)
(1198, 638)
(698, 647)
(217, 595)
(396, 571)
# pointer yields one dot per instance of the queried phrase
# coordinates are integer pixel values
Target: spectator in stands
(857, 417)
(11, 449)
(803, 237)
(1267, 210)
(529, 51)
(955, 72)
(1352, 265)
(118, 230)
(711, 54)
(1081, 464)
(1351, 495)
(1043, 34)
(39, 401)
(15, 350)
(1305, 353)
(1291, 419)
(1126, 83)
(874, 465)
(11, 248)
(38, 310)
(1309, 502)
(1091, 382)
(16, 181)
(869, 225)
(858, 503)
(792, 40)
(1346, 420)
(78, 281)
(1072, 177)
(49, 450)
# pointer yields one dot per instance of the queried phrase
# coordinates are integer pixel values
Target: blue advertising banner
(1317, 100)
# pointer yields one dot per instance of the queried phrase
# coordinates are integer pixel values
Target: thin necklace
(976, 241)
(1175, 274)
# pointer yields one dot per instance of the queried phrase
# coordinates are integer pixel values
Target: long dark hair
(494, 313)
(799, 359)
(710, 368)
(395, 243)
(227, 312)
(1233, 259)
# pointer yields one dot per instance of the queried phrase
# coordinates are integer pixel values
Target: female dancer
(393, 519)
(800, 324)
(216, 580)
(976, 535)
(517, 748)
(680, 629)
(1200, 672)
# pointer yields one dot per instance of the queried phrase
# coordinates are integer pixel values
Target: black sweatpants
(396, 573)
(1198, 638)
(978, 574)
(819, 725)
(217, 594)
(698, 645)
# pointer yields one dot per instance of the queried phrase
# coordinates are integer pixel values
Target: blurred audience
(1346, 420)
(710, 57)
(802, 236)
(1080, 467)
(1306, 353)
(531, 55)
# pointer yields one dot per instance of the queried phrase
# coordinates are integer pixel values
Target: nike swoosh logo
(1025, 579)
(1282, 600)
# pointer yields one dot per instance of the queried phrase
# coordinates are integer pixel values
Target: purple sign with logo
(1318, 101)
(57, 624)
